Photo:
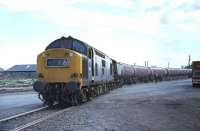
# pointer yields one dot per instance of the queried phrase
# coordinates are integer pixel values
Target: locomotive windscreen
(69, 43)
(60, 43)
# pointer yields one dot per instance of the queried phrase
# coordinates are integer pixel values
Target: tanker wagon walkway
(165, 106)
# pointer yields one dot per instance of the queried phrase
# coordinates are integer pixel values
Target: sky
(129, 31)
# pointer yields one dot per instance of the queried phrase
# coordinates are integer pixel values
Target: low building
(21, 71)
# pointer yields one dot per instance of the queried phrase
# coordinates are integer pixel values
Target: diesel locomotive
(71, 71)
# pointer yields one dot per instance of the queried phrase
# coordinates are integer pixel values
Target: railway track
(22, 114)
(24, 120)
(25, 126)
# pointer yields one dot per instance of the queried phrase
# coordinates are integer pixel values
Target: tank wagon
(71, 72)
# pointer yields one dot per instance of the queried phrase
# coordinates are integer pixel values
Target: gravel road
(165, 106)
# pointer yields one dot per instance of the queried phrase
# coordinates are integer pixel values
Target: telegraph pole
(189, 60)
(146, 63)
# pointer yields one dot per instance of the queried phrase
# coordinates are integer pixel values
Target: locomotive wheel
(50, 103)
(83, 96)
(46, 100)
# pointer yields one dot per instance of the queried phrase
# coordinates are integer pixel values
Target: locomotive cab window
(68, 43)
(60, 43)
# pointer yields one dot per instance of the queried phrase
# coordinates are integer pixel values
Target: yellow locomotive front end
(60, 66)
(62, 71)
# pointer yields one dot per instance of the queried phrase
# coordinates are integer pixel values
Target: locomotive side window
(102, 71)
(96, 69)
(79, 47)
(110, 69)
(103, 63)
(103, 66)
(90, 53)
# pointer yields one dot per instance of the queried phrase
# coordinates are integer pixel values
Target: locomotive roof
(71, 38)
(89, 46)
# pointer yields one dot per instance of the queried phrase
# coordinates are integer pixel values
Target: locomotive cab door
(91, 65)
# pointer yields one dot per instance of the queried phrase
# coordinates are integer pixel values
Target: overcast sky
(130, 31)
